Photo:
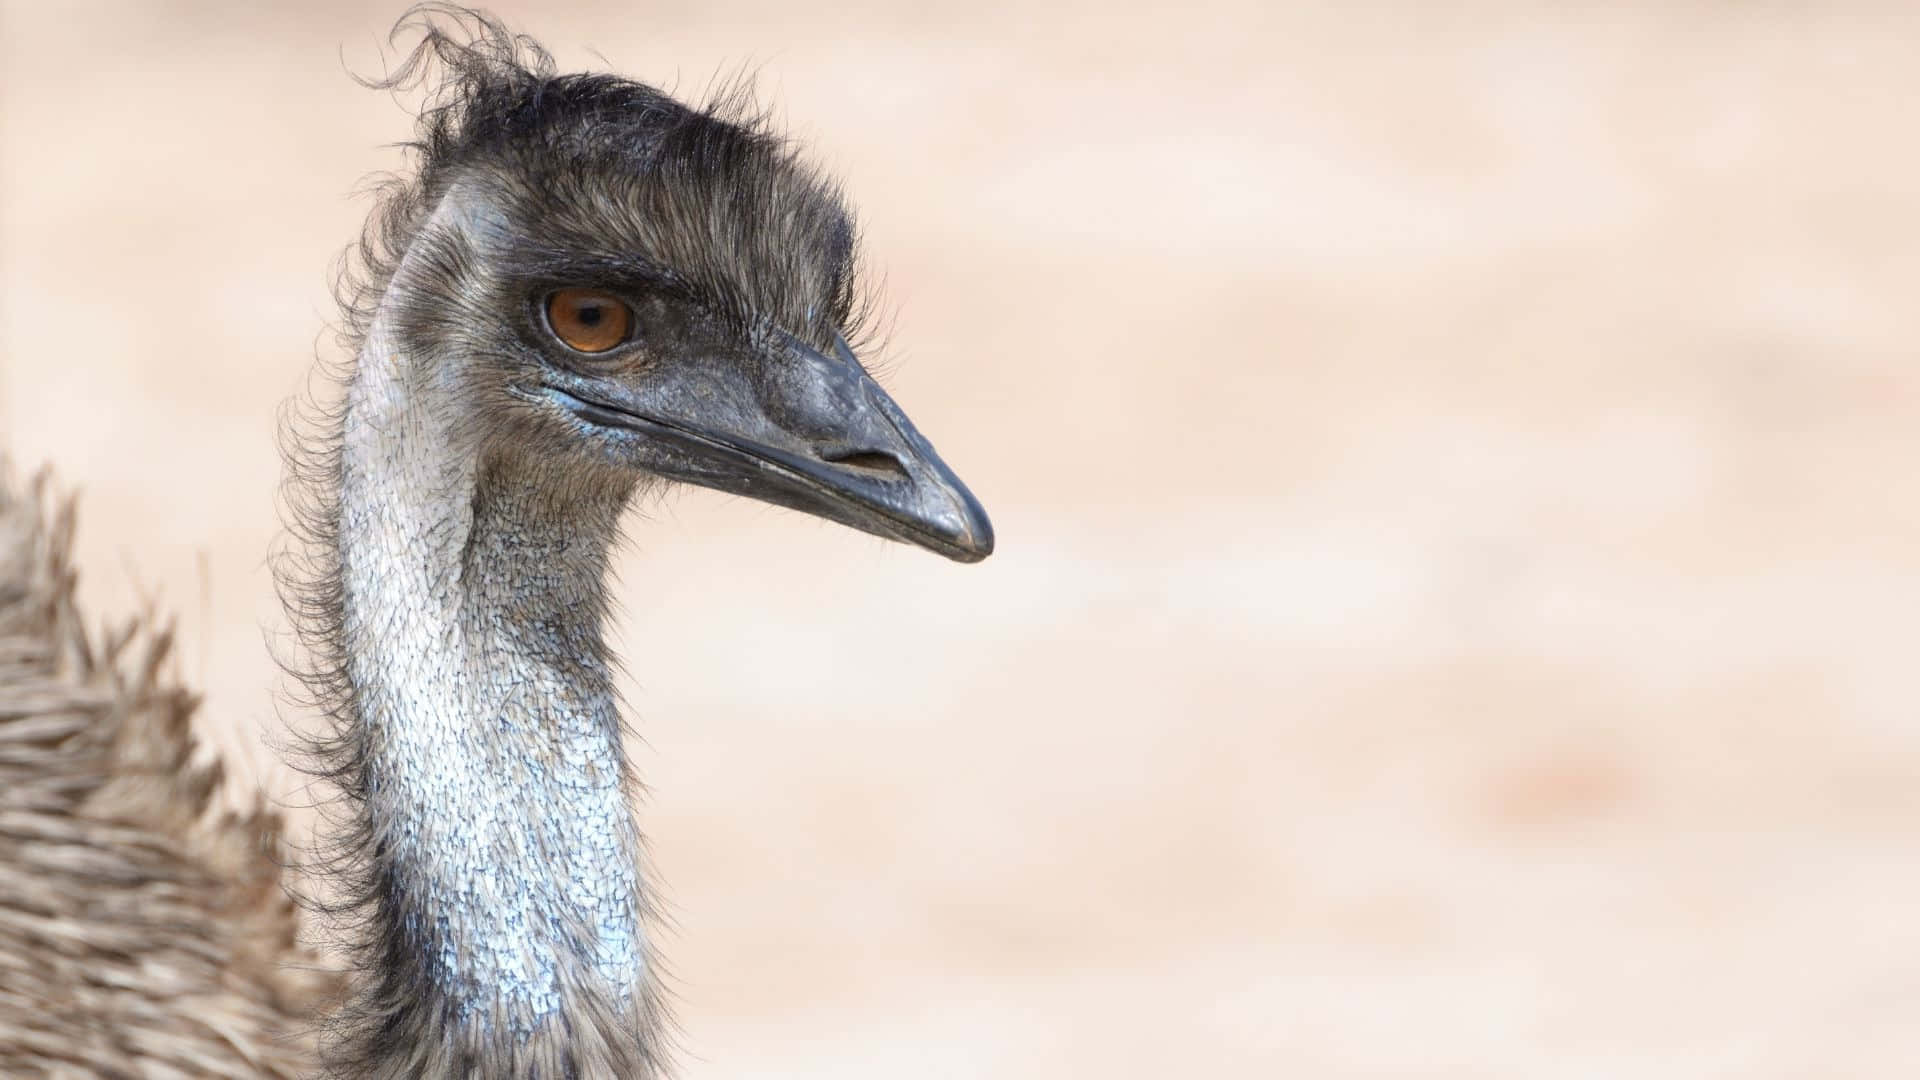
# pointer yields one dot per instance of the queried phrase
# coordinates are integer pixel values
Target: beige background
(1455, 478)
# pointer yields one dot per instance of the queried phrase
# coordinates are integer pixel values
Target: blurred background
(1454, 470)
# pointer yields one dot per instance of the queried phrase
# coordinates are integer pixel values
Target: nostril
(872, 460)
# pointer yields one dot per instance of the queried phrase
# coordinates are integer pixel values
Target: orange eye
(588, 320)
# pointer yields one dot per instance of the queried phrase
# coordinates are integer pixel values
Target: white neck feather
(496, 781)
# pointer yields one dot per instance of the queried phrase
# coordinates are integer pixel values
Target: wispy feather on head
(705, 199)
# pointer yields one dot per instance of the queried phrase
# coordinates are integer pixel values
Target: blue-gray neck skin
(496, 787)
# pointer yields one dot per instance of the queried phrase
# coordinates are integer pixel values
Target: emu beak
(808, 431)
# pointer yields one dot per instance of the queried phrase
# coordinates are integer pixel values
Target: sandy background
(1455, 481)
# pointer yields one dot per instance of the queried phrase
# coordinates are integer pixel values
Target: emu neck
(504, 852)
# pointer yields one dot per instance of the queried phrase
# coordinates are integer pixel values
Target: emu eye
(588, 320)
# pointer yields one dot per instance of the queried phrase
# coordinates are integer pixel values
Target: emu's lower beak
(807, 430)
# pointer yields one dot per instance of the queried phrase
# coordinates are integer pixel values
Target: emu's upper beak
(809, 431)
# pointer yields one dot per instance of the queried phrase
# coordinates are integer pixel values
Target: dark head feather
(601, 172)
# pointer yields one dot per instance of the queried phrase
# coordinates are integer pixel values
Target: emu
(583, 291)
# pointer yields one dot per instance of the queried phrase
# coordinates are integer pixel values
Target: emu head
(625, 286)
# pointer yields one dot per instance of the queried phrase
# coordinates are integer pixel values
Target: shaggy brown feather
(142, 932)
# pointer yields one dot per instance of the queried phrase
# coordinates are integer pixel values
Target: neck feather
(504, 863)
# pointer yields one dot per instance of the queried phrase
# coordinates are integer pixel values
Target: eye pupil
(588, 320)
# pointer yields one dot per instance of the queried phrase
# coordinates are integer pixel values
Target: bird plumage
(454, 501)
(143, 930)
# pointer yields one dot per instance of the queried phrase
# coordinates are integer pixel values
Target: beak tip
(974, 549)
(975, 539)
